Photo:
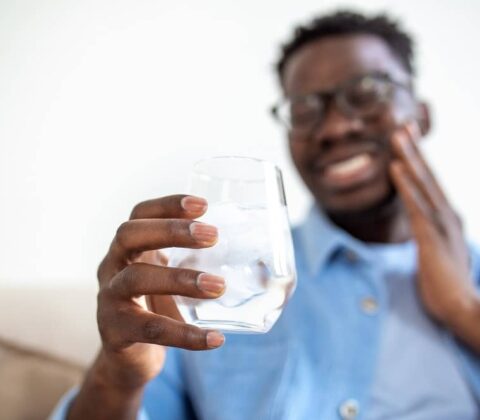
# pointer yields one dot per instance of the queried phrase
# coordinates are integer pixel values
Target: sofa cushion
(32, 382)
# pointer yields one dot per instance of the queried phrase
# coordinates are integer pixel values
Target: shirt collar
(321, 239)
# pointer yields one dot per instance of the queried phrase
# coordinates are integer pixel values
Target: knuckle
(173, 201)
(104, 297)
(122, 234)
(110, 339)
(104, 331)
(113, 320)
(176, 228)
(191, 337)
(105, 327)
(123, 283)
(136, 211)
(101, 269)
(163, 281)
(101, 295)
(186, 278)
(171, 228)
(153, 330)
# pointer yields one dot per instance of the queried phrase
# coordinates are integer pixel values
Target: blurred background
(105, 103)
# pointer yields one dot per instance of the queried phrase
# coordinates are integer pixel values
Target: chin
(363, 200)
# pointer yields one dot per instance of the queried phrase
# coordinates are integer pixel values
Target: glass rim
(198, 172)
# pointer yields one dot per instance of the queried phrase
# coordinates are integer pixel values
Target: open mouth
(349, 172)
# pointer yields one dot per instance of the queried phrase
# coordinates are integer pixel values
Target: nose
(337, 125)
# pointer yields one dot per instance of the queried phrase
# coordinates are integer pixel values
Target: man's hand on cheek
(444, 280)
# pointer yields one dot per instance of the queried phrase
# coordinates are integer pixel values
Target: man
(384, 321)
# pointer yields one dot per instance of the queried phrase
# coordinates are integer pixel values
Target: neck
(385, 223)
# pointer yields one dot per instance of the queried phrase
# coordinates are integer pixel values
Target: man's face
(344, 160)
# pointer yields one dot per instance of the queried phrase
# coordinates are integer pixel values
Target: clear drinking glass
(254, 252)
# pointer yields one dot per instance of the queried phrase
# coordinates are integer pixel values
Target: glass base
(232, 326)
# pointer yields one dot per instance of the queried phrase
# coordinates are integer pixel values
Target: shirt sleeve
(61, 410)
(470, 359)
(165, 396)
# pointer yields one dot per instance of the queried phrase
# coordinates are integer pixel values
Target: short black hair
(346, 22)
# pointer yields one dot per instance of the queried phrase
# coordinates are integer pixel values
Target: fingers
(415, 134)
(414, 202)
(126, 325)
(123, 322)
(417, 185)
(417, 208)
(136, 236)
(156, 224)
(157, 329)
(144, 279)
(174, 206)
(405, 147)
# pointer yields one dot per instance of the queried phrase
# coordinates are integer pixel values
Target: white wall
(104, 103)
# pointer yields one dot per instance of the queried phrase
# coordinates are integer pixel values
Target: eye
(304, 111)
(367, 94)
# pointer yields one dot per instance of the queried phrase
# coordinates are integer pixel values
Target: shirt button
(369, 305)
(349, 410)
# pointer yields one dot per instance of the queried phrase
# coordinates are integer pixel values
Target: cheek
(300, 159)
(388, 120)
(297, 153)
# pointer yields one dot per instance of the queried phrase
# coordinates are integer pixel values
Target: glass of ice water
(254, 252)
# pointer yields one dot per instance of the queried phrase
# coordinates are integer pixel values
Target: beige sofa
(32, 382)
(47, 338)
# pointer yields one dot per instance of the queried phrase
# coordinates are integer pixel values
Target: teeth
(349, 166)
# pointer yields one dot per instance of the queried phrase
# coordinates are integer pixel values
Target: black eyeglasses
(363, 96)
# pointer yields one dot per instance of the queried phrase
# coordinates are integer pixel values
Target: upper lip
(321, 162)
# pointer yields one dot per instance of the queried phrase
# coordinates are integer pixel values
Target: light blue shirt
(353, 343)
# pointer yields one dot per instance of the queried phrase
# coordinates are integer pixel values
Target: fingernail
(210, 283)
(193, 204)
(203, 233)
(215, 339)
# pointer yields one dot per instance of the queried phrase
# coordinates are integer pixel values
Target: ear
(423, 118)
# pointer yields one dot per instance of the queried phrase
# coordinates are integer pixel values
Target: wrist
(104, 395)
(119, 379)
